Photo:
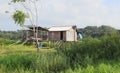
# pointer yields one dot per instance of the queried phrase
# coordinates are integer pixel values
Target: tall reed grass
(44, 62)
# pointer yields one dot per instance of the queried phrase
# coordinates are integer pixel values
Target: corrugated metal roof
(60, 28)
(36, 26)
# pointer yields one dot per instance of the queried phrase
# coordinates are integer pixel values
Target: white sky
(68, 12)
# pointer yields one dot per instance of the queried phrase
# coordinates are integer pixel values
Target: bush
(91, 50)
(6, 41)
(45, 44)
(110, 47)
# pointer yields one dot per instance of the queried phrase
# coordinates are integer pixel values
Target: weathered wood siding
(55, 35)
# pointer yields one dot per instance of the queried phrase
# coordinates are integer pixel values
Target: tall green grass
(92, 55)
(44, 62)
(101, 68)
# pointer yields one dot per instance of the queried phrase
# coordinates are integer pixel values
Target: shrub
(91, 50)
(6, 41)
(110, 47)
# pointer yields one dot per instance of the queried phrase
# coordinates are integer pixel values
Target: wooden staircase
(59, 44)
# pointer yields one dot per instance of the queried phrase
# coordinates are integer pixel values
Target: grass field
(21, 49)
(92, 55)
(21, 52)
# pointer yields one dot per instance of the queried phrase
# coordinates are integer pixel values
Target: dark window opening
(61, 35)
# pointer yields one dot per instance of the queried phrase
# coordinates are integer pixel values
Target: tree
(30, 7)
(19, 17)
(95, 31)
(30, 10)
(107, 30)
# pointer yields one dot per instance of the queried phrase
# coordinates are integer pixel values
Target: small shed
(65, 33)
(33, 30)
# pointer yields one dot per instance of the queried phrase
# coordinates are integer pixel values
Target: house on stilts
(54, 34)
(34, 32)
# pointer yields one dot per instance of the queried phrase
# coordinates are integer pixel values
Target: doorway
(61, 35)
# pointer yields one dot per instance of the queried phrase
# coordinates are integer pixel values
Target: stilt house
(55, 33)
(36, 33)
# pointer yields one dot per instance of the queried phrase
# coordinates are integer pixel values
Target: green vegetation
(95, 31)
(93, 50)
(91, 55)
(45, 62)
(19, 17)
(6, 41)
(12, 35)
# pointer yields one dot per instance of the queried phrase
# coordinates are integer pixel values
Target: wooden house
(65, 33)
(34, 31)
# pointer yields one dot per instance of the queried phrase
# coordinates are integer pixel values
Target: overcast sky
(68, 12)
